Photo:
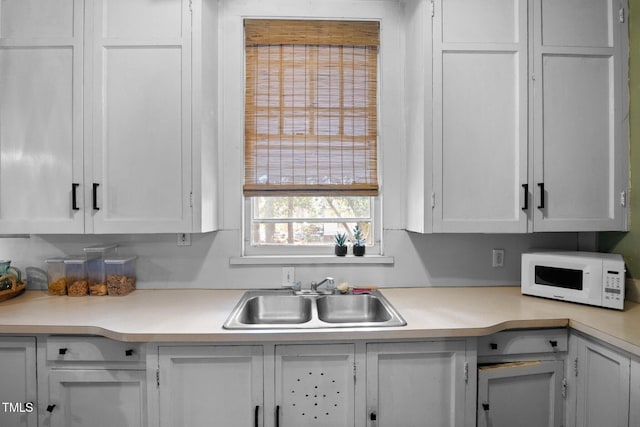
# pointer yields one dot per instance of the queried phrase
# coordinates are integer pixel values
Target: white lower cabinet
(526, 394)
(634, 394)
(353, 384)
(18, 388)
(255, 385)
(91, 382)
(97, 398)
(210, 386)
(315, 385)
(601, 381)
(521, 378)
(418, 384)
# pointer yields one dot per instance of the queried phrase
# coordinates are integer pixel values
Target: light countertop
(197, 315)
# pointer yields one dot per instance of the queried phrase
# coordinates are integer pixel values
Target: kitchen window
(311, 142)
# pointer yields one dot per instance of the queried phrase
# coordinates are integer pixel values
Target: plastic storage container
(121, 275)
(75, 270)
(96, 274)
(57, 282)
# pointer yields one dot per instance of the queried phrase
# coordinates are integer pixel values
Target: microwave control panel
(613, 289)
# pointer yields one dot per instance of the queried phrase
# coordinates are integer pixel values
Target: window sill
(310, 259)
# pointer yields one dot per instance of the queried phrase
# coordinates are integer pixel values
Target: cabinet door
(41, 63)
(419, 115)
(18, 390)
(480, 116)
(97, 398)
(213, 385)
(602, 386)
(580, 115)
(525, 394)
(139, 137)
(417, 384)
(315, 385)
(634, 410)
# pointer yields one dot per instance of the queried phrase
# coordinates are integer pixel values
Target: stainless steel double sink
(284, 309)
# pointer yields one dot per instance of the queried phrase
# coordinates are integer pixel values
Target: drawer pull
(553, 343)
(128, 352)
(50, 408)
(493, 346)
(63, 351)
(485, 406)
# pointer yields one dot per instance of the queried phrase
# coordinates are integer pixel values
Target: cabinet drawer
(523, 342)
(90, 349)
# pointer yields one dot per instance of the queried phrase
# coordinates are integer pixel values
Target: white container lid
(101, 249)
(119, 260)
(75, 260)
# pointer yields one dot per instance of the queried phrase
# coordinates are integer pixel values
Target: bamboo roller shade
(310, 107)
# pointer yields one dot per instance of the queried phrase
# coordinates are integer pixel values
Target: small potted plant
(358, 241)
(341, 247)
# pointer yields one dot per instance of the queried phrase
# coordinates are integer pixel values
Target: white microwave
(584, 277)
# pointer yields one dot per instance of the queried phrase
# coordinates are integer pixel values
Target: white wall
(420, 260)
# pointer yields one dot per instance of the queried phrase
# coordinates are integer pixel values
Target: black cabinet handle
(493, 346)
(62, 351)
(553, 343)
(255, 416)
(95, 196)
(50, 408)
(278, 416)
(525, 187)
(485, 406)
(128, 352)
(541, 186)
(373, 416)
(74, 196)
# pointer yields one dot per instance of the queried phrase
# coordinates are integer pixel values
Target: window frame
(286, 250)
(373, 248)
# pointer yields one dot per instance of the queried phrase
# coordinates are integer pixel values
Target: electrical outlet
(288, 276)
(184, 239)
(498, 258)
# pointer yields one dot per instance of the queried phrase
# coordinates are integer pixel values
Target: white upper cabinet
(418, 107)
(139, 126)
(41, 147)
(479, 115)
(580, 124)
(527, 128)
(107, 116)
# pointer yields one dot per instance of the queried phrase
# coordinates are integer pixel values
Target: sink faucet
(316, 285)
